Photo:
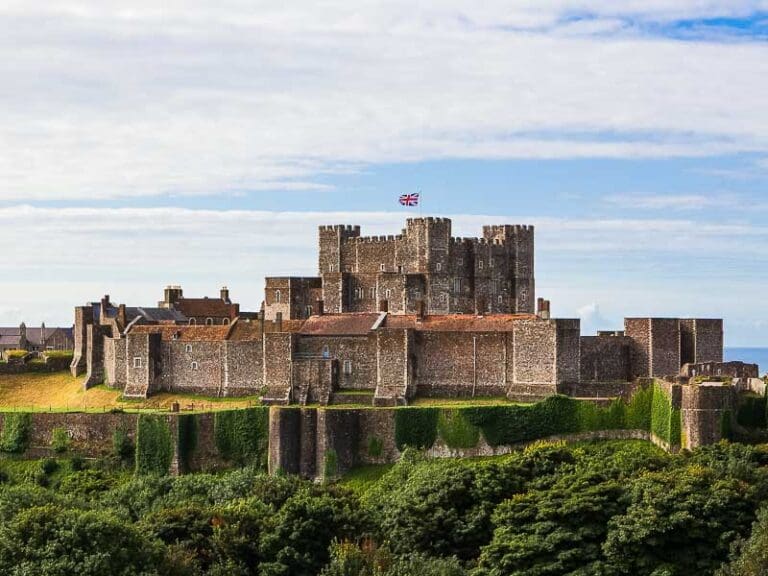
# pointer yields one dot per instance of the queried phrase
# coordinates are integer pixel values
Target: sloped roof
(213, 307)
(11, 334)
(349, 324)
(458, 322)
(192, 333)
(152, 314)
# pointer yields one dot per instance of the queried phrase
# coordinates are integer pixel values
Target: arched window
(194, 366)
(226, 321)
(326, 352)
(347, 367)
(209, 321)
(278, 296)
(192, 321)
(188, 348)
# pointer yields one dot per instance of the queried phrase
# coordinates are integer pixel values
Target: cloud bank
(105, 100)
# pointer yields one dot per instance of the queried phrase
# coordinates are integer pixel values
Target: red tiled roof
(349, 324)
(212, 307)
(184, 333)
(458, 322)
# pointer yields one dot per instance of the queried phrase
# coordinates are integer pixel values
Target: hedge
(650, 409)
(16, 431)
(242, 436)
(415, 427)
(154, 445)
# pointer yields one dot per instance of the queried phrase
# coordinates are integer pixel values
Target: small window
(331, 268)
(457, 284)
(501, 299)
(387, 293)
(226, 321)
(188, 348)
(194, 366)
(490, 263)
(383, 267)
(347, 367)
(209, 321)
(192, 321)
(480, 265)
(326, 352)
(278, 297)
(372, 293)
(308, 311)
(137, 362)
(438, 267)
(399, 269)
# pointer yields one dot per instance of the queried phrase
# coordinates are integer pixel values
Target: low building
(36, 338)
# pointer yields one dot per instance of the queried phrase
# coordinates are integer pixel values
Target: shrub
(15, 435)
(77, 463)
(415, 427)
(456, 431)
(154, 445)
(48, 466)
(122, 447)
(59, 440)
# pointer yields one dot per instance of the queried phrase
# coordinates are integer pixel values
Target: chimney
(279, 322)
(172, 295)
(224, 292)
(320, 307)
(122, 318)
(383, 305)
(543, 309)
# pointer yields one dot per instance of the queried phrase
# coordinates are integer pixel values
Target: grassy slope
(61, 392)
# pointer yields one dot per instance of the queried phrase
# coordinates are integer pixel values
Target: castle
(388, 318)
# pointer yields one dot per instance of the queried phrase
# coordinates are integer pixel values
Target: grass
(60, 392)
(458, 402)
(360, 479)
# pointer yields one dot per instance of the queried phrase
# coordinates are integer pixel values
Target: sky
(202, 143)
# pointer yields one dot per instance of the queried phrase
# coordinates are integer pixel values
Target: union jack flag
(410, 199)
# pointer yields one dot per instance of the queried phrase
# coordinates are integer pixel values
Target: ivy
(59, 440)
(242, 436)
(375, 447)
(16, 432)
(122, 447)
(415, 427)
(154, 445)
(188, 430)
(456, 431)
(665, 420)
(330, 465)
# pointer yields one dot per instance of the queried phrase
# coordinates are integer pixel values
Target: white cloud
(101, 100)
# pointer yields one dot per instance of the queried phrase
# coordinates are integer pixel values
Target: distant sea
(749, 355)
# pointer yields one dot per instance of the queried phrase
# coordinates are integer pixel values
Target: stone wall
(359, 351)
(395, 366)
(707, 411)
(605, 359)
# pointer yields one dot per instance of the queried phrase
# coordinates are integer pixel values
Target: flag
(410, 199)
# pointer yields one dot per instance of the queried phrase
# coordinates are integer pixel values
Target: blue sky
(201, 145)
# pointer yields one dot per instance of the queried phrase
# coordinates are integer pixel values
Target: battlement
(427, 220)
(346, 230)
(376, 239)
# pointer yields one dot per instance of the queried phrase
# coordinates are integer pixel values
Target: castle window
(383, 267)
(387, 293)
(226, 321)
(209, 321)
(192, 321)
(188, 348)
(399, 269)
(372, 293)
(438, 267)
(308, 311)
(347, 367)
(331, 268)
(194, 366)
(490, 263)
(326, 352)
(278, 297)
(501, 299)
(480, 265)
(137, 362)
(457, 284)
